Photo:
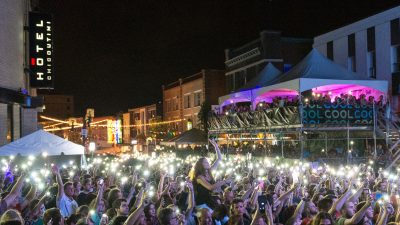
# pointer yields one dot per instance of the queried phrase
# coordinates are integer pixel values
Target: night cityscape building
(183, 99)
(141, 116)
(370, 47)
(245, 62)
(18, 102)
(59, 106)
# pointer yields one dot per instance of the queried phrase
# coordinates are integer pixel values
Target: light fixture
(92, 146)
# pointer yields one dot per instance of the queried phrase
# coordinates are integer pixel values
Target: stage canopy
(317, 73)
(39, 142)
(264, 78)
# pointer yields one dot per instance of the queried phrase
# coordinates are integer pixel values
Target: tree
(203, 116)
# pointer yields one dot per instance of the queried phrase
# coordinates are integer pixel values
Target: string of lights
(59, 128)
(96, 124)
(145, 124)
(57, 120)
(53, 125)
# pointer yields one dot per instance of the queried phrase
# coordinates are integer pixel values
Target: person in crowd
(53, 216)
(11, 217)
(203, 180)
(323, 218)
(77, 188)
(238, 211)
(150, 213)
(65, 196)
(205, 217)
(229, 192)
(85, 196)
(167, 216)
(98, 205)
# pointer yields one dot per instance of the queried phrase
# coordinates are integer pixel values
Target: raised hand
(268, 209)
(189, 185)
(55, 170)
(212, 141)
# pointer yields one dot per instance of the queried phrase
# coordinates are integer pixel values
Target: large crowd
(165, 190)
(308, 99)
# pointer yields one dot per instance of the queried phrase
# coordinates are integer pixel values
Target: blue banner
(338, 114)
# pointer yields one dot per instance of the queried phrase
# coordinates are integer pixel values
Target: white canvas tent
(314, 71)
(266, 75)
(39, 142)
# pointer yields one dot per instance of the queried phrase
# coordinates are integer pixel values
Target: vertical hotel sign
(41, 50)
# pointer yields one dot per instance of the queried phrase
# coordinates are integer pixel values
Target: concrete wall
(340, 51)
(3, 124)
(12, 75)
(12, 44)
(29, 121)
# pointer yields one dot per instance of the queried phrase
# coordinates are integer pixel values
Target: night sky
(113, 55)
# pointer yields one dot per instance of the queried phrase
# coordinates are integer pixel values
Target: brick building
(245, 62)
(183, 99)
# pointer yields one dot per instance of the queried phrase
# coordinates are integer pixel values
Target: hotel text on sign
(41, 50)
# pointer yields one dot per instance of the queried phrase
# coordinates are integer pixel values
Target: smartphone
(262, 202)
(101, 181)
(367, 191)
(270, 199)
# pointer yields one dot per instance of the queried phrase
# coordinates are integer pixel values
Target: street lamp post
(133, 143)
(92, 148)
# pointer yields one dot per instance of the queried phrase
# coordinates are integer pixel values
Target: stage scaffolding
(287, 128)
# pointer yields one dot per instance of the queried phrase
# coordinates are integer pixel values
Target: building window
(371, 62)
(329, 50)
(166, 105)
(230, 83)
(137, 116)
(371, 39)
(67, 99)
(240, 79)
(351, 52)
(351, 63)
(186, 101)
(176, 104)
(395, 53)
(10, 122)
(395, 31)
(67, 108)
(250, 73)
(197, 99)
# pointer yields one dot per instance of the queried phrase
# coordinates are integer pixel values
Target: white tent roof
(41, 141)
(315, 65)
(266, 75)
(315, 70)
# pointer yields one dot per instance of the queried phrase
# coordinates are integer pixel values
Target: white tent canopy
(313, 72)
(266, 75)
(39, 142)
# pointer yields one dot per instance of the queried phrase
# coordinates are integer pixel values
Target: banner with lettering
(338, 114)
(41, 50)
